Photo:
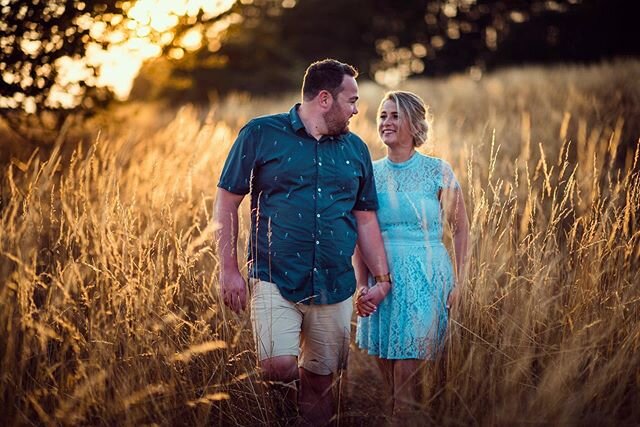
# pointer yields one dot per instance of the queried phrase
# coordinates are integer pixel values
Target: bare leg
(428, 380)
(406, 391)
(386, 369)
(316, 398)
(281, 375)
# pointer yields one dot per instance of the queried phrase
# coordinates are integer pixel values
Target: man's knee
(280, 368)
(319, 384)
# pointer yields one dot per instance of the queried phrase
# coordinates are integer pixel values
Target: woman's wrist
(384, 280)
(385, 286)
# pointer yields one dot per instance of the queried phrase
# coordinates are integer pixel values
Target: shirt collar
(294, 117)
(297, 125)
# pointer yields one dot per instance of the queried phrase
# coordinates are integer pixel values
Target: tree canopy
(38, 38)
(263, 46)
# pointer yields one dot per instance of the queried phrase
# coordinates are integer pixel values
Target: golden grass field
(109, 308)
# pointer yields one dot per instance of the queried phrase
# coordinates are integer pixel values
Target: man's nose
(355, 110)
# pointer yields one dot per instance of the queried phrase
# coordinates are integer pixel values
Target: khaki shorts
(317, 334)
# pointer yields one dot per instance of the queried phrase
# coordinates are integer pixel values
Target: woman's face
(393, 131)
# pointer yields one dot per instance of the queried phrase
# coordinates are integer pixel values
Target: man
(312, 196)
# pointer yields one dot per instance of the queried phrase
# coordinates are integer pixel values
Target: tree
(48, 74)
(266, 44)
(244, 49)
(38, 38)
(263, 46)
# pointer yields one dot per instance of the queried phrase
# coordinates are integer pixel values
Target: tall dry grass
(109, 312)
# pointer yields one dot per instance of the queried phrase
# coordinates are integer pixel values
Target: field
(109, 307)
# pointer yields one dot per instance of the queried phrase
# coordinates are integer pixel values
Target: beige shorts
(317, 334)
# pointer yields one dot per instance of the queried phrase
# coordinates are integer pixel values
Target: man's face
(342, 108)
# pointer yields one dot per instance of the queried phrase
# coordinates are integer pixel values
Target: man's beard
(335, 124)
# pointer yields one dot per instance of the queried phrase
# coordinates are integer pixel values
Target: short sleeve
(367, 197)
(238, 168)
(448, 181)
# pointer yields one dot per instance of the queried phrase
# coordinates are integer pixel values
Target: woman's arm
(456, 216)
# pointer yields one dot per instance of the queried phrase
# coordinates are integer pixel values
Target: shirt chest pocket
(347, 183)
(285, 173)
(343, 176)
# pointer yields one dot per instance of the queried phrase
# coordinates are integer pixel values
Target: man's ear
(325, 99)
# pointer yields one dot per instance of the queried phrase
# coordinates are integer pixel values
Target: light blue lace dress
(411, 321)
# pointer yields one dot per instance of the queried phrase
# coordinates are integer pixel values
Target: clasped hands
(368, 299)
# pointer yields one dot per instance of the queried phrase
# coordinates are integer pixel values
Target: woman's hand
(454, 298)
(367, 299)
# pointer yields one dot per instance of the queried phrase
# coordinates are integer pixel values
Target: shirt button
(317, 242)
(319, 189)
(318, 215)
(315, 269)
(320, 164)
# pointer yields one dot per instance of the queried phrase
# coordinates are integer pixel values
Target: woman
(406, 324)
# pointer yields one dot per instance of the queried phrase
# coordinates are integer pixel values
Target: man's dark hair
(325, 75)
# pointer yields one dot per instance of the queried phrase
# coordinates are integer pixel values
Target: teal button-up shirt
(303, 194)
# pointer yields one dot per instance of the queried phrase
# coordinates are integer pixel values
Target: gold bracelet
(383, 278)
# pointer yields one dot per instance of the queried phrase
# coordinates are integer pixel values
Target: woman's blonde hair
(413, 108)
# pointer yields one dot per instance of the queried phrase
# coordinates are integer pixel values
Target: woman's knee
(407, 369)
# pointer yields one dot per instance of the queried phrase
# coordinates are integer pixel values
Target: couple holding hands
(327, 221)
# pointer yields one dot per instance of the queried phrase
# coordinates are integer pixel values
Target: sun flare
(149, 27)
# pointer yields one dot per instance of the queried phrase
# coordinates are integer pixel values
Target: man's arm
(360, 268)
(362, 287)
(232, 285)
(371, 249)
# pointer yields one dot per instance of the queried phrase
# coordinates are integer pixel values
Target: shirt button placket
(317, 163)
(319, 205)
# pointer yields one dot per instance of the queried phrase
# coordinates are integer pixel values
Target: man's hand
(233, 290)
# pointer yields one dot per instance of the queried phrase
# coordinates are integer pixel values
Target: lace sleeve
(449, 180)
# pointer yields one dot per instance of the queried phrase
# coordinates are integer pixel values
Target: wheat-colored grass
(109, 311)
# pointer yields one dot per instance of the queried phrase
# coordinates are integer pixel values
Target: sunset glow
(57, 53)
(133, 45)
